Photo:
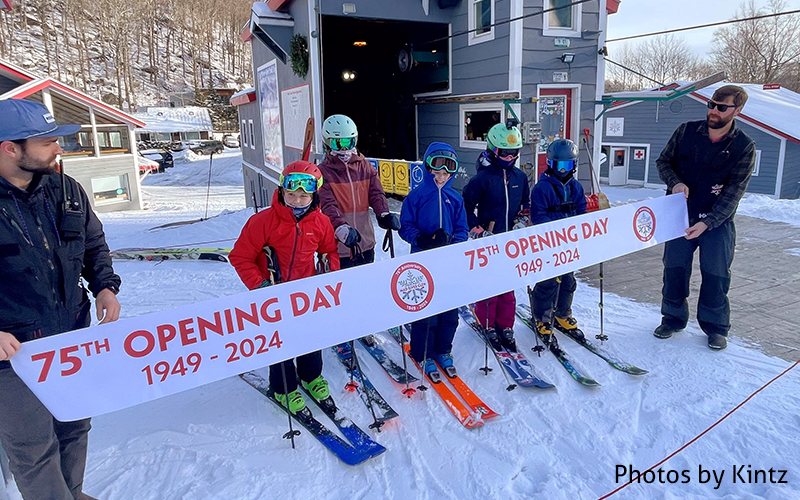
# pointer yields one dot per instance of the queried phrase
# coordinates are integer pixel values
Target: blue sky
(645, 16)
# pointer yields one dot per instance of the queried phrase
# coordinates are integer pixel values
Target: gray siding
(790, 187)
(482, 67)
(653, 123)
(439, 122)
(84, 170)
(7, 84)
(635, 167)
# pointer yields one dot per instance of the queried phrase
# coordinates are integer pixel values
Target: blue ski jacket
(551, 200)
(499, 194)
(428, 208)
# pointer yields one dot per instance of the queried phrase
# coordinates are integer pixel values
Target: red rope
(705, 431)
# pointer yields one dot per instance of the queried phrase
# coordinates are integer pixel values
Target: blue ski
(377, 405)
(392, 369)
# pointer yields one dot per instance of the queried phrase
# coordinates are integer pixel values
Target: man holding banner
(49, 239)
(710, 162)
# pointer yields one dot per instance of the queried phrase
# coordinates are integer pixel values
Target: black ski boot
(507, 338)
(493, 338)
(663, 331)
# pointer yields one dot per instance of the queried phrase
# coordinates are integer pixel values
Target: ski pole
(486, 369)
(537, 348)
(422, 386)
(602, 337)
(352, 385)
(388, 245)
(292, 433)
(376, 424)
(208, 188)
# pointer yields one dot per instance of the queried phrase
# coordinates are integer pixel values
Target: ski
(515, 363)
(600, 351)
(159, 254)
(345, 452)
(347, 427)
(462, 413)
(474, 402)
(559, 353)
(377, 405)
(393, 370)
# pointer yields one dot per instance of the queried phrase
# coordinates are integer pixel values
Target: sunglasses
(343, 143)
(562, 166)
(721, 107)
(506, 154)
(444, 161)
(299, 180)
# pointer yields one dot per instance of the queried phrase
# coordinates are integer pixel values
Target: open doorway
(365, 77)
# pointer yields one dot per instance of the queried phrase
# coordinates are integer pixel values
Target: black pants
(438, 330)
(549, 295)
(716, 255)
(309, 367)
(366, 257)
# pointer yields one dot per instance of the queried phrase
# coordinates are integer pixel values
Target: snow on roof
(243, 92)
(188, 119)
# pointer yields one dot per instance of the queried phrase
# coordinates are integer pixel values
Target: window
(190, 136)
(252, 134)
(481, 21)
(757, 166)
(565, 21)
(108, 190)
(475, 122)
(78, 144)
(243, 133)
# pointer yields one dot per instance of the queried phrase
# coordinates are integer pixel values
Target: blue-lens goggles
(443, 160)
(343, 143)
(562, 166)
(299, 180)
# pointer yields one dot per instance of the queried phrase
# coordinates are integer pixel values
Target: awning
(274, 29)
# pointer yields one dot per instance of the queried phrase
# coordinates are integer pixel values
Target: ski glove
(438, 239)
(522, 220)
(389, 220)
(479, 232)
(265, 284)
(347, 235)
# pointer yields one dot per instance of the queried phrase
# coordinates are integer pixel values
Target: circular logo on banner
(644, 224)
(412, 287)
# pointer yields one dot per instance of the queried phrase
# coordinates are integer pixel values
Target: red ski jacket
(295, 243)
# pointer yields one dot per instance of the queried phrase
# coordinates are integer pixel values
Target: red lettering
(533, 243)
(104, 345)
(512, 249)
(186, 330)
(561, 236)
(523, 245)
(229, 320)
(335, 292)
(86, 347)
(298, 298)
(587, 230)
(165, 334)
(66, 358)
(204, 325)
(150, 343)
(572, 233)
(242, 315)
(544, 241)
(604, 223)
(47, 357)
(320, 301)
(270, 318)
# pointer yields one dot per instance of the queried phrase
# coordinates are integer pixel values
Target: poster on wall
(270, 115)
(296, 104)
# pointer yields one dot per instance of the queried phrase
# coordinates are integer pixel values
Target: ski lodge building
(410, 72)
(635, 133)
(102, 155)
(190, 123)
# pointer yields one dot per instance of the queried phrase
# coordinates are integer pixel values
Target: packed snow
(223, 440)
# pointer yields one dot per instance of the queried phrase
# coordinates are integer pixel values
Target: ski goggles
(299, 180)
(562, 166)
(342, 143)
(506, 154)
(443, 160)
(721, 107)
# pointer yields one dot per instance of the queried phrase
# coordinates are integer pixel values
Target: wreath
(299, 55)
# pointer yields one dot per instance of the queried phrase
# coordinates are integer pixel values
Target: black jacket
(499, 194)
(44, 252)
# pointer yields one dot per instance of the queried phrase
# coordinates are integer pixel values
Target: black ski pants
(366, 257)
(553, 294)
(47, 457)
(438, 331)
(716, 256)
(309, 367)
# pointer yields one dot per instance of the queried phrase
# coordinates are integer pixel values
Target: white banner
(109, 367)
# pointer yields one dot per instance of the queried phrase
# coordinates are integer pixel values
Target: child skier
(557, 195)
(500, 193)
(293, 228)
(433, 216)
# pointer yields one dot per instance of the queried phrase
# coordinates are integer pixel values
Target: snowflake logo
(412, 287)
(644, 224)
(716, 189)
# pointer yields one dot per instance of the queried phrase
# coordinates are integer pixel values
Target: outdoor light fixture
(348, 75)
(360, 43)
(567, 57)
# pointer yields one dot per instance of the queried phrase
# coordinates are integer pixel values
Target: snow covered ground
(223, 440)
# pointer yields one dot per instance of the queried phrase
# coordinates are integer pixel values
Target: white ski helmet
(338, 127)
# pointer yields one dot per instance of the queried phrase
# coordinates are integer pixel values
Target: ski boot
(545, 332)
(432, 371)
(296, 402)
(493, 338)
(445, 362)
(318, 388)
(569, 325)
(507, 338)
(369, 340)
(346, 354)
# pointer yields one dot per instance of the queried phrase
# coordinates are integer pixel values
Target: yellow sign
(386, 171)
(401, 178)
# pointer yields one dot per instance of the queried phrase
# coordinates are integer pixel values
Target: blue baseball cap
(28, 120)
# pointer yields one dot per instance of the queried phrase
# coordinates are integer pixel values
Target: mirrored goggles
(343, 143)
(506, 154)
(299, 180)
(562, 166)
(446, 163)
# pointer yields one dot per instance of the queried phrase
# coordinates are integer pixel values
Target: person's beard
(35, 166)
(718, 123)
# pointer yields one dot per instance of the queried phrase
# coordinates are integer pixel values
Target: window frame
(243, 133)
(574, 32)
(757, 165)
(251, 130)
(483, 106)
(474, 38)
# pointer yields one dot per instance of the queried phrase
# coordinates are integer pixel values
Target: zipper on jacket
(352, 192)
(297, 234)
(440, 207)
(16, 226)
(505, 187)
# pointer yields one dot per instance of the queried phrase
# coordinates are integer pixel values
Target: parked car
(146, 165)
(231, 141)
(208, 147)
(163, 158)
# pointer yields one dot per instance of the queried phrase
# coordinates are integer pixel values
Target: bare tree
(658, 60)
(757, 51)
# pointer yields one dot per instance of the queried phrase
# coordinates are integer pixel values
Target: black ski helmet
(562, 158)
